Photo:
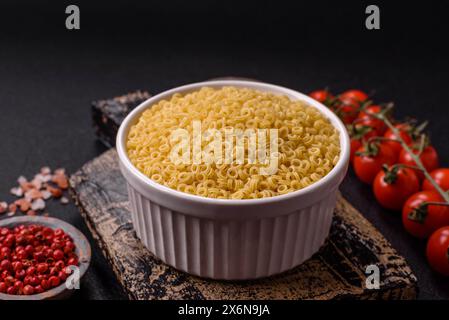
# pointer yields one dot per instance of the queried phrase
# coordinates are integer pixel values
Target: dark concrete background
(49, 76)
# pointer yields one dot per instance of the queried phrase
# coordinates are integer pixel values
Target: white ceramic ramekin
(231, 239)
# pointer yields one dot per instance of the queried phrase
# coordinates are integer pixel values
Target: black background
(49, 75)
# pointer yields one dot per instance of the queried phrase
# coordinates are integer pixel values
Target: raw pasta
(308, 145)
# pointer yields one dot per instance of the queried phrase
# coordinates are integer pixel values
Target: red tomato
(393, 187)
(369, 111)
(321, 95)
(438, 251)
(361, 132)
(369, 134)
(427, 219)
(347, 110)
(366, 167)
(441, 177)
(428, 157)
(356, 95)
(355, 145)
(403, 128)
(366, 118)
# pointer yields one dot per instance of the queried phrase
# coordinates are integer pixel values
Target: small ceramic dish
(227, 238)
(82, 250)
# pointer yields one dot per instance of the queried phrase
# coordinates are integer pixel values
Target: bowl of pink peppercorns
(40, 258)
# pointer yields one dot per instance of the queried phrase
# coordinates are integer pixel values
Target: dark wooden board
(108, 114)
(337, 271)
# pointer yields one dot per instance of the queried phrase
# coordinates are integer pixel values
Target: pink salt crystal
(46, 194)
(38, 204)
(42, 178)
(39, 177)
(12, 207)
(23, 204)
(18, 192)
(60, 171)
(46, 178)
(37, 183)
(45, 171)
(22, 180)
(61, 181)
(3, 207)
(33, 194)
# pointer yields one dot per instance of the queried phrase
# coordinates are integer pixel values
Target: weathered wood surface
(337, 271)
(107, 115)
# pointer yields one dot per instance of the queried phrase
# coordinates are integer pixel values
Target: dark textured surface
(337, 271)
(49, 76)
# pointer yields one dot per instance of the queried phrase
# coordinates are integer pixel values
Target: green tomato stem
(414, 157)
(434, 203)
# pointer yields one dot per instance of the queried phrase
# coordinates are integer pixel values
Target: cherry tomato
(366, 118)
(347, 110)
(369, 134)
(321, 95)
(350, 102)
(356, 95)
(355, 145)
(403, 132)
(366, 167)
(428, 157)
(441, 177)
(425, 220)
(437, 251)
(370, 111)
(393, 186)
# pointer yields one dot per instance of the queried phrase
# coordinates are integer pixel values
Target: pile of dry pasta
(308, 144)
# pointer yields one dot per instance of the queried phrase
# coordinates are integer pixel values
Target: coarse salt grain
(42, 178)
(12, 207)
(17, 191)
(32, 194)
(45, 170)
(23, 204)
(27, 186)
(3, 207)
(38, 204)
(55, 192)
(61, 181)
(22, 180)
(60, 172)
(36, 183)
(46, 194)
